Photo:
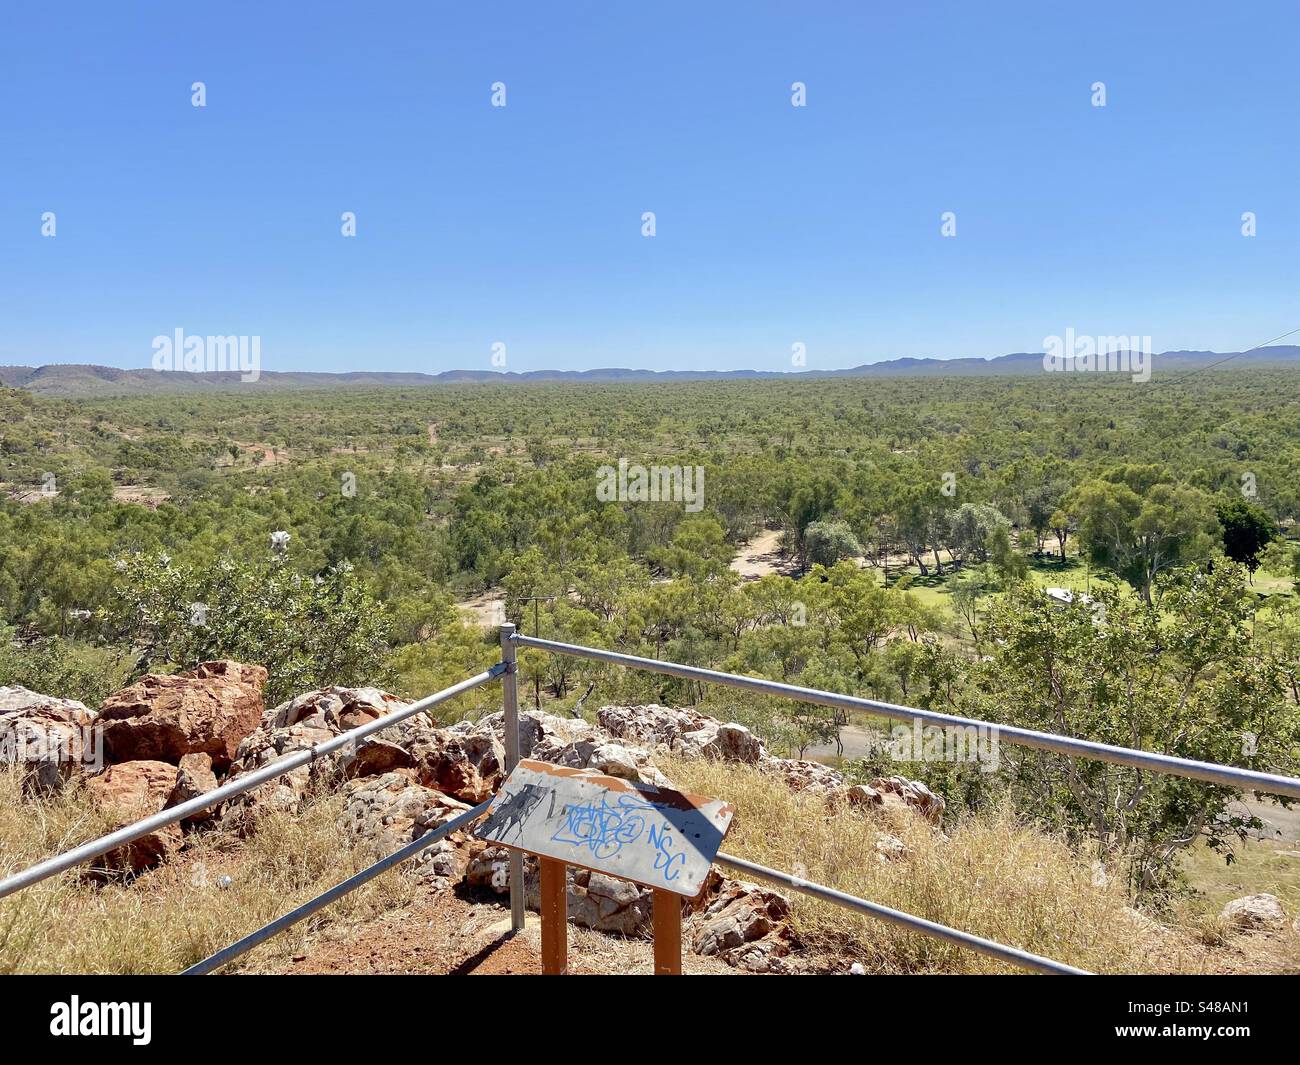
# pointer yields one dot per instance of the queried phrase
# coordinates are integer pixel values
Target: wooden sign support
(662, 839)
(555, 917)
(668, 933)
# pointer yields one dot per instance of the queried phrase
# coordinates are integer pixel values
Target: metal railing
(507, 672)
(1246, 779)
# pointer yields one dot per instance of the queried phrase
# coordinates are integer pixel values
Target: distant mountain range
(72, 380)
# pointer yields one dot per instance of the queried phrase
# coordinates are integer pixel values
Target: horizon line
(504, 372)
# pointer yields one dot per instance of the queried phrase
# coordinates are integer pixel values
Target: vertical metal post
(537, 631)
(510, 708)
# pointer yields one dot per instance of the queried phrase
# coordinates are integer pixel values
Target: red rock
(194, 777)
(207, 710)
(468, 763)
(305, 721)
(392, 810)
(126, 792)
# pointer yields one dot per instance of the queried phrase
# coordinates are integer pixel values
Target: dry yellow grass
(173, 916)
(991, 876)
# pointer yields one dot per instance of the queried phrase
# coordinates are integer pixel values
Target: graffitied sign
(653, 836)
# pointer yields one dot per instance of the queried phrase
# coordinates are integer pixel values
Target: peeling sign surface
(653, 836)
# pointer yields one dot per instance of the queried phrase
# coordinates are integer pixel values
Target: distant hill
(71, 380)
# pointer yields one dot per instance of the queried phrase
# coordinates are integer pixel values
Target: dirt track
(760, 556)
(445, 934)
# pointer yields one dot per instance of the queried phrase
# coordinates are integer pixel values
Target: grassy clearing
(1258, 865)
(177, 914)
(991, 876)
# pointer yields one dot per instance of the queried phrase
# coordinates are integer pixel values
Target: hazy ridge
(83, 380)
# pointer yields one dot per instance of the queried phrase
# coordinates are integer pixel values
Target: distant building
(1066, 596)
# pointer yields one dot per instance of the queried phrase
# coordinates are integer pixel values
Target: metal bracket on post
(510, 710)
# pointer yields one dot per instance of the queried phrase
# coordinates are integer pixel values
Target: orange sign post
(555, 917)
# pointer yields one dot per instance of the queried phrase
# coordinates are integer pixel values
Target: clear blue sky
(523, 224)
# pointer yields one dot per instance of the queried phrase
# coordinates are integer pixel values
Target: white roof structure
(1066, 595)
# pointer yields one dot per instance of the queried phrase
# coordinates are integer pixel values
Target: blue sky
(522, 224)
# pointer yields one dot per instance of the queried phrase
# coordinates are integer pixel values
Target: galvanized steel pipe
(1246, 779)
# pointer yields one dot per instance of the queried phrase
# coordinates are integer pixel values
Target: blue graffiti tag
(605, 830)
(602, 828)
(662, 840)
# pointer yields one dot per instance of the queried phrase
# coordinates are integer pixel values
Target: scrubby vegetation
(919, 521)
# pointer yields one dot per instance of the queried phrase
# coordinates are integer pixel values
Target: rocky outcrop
(682, 731)
(595, 901)
(51, 738)
(602, 903)
(397, 785)
(612, 759)
(690, 734)
(126, 792)
(1255, 913)
(739, 923)
(488, 868)
(391, 810)
(302, 723)
(329, 711)
(577, 745)
(607, 904)
(898, 793)
(466, 760)
(743, 924)
(207, 710)
(811, 777)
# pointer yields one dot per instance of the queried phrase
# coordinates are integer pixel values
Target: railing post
(510, 709)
